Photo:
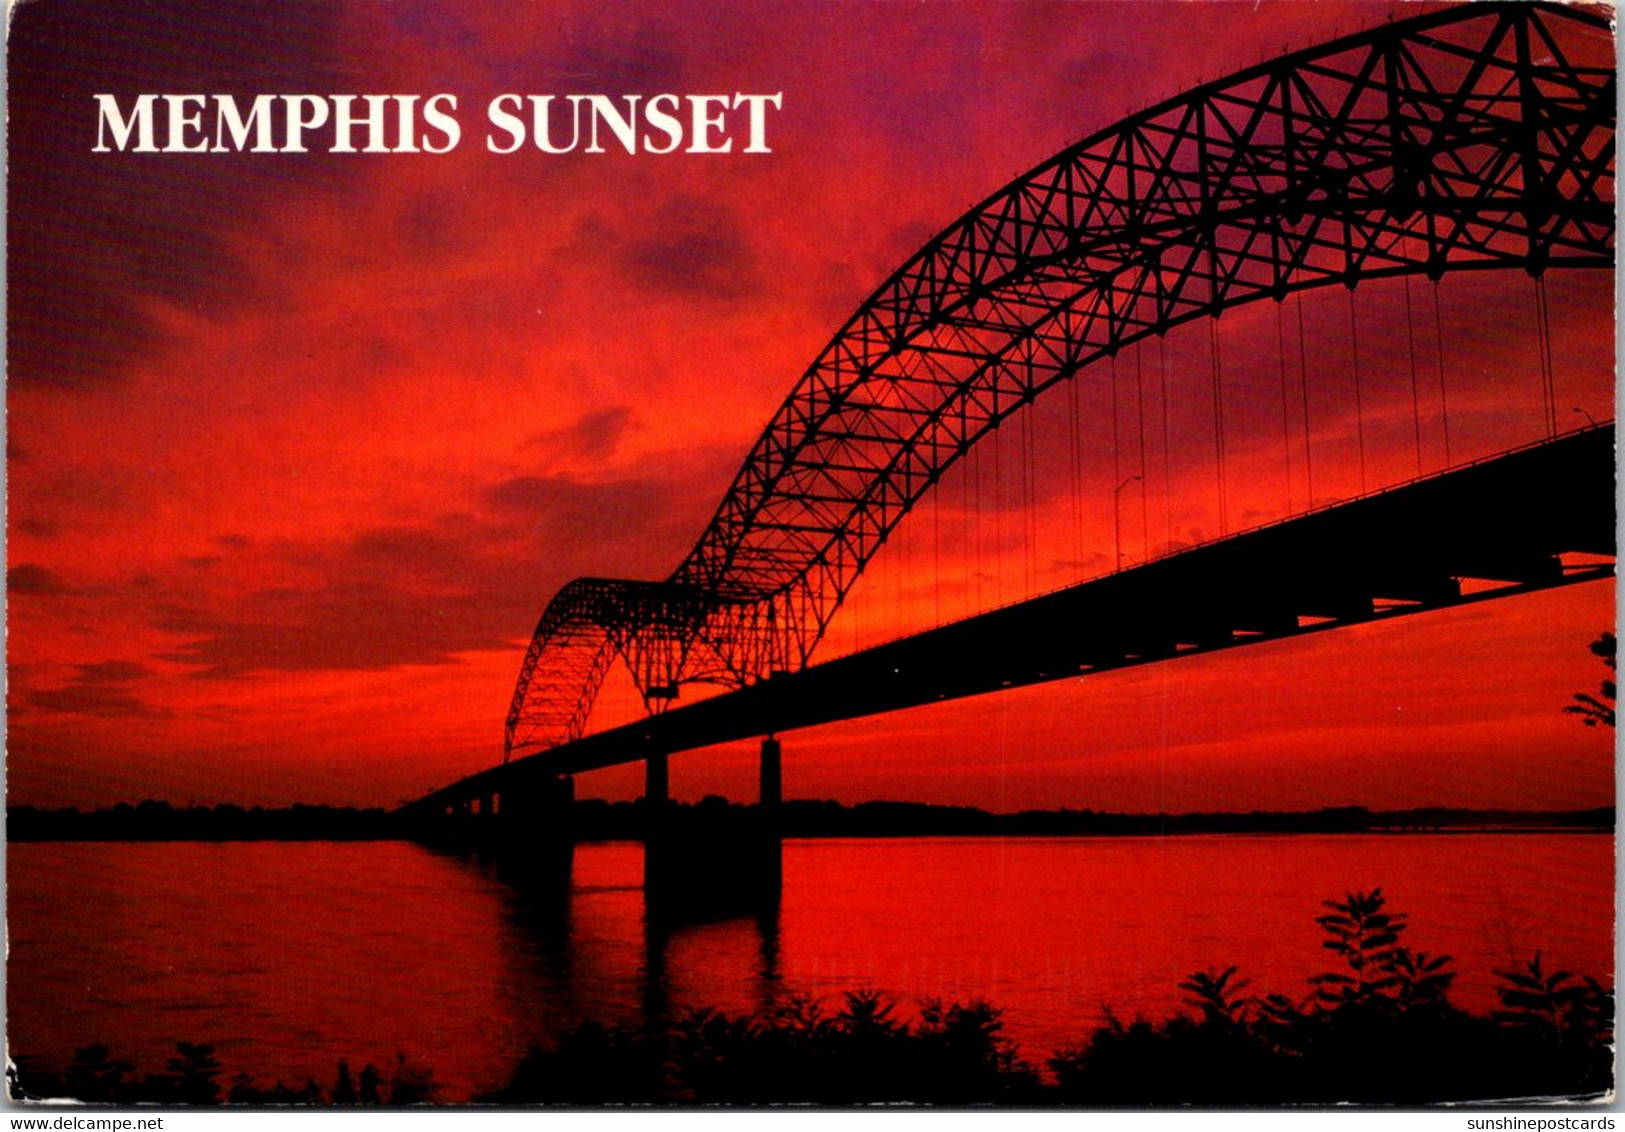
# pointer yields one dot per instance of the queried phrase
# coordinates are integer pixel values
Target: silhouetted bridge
(1472, 138)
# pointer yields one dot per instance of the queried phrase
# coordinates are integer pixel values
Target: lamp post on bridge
(1117, 518)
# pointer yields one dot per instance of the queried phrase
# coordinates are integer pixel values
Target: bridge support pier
(660, 847)
(712, 865)
(769, 833)
(533, 834)
(656, 781)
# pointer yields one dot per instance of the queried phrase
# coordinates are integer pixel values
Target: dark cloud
(437, 25)
(434, 227)
(38, 528)
(595, 436)
(696, 247)
(421, 594)
(616, 49)
(565, 512)
(390, 596)
(97, 700)
(451, 552)
(344, 626)
(28, 578)
(106, 232)
(111, 672)
(98, 690)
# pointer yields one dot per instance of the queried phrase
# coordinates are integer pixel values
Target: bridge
(1466, 140)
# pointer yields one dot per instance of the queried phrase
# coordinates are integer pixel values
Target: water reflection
(731, 964)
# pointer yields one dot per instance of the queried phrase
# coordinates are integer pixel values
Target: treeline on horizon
(1378, 1027)
(594, 819)
(152, 820)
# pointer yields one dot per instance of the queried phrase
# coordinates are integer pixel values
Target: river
(289, 956)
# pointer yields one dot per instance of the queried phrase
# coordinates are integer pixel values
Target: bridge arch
(1466, 139)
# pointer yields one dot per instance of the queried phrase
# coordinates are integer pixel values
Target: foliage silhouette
(1380, 1029)
(245, 1092)
(94, 1075)
(414, 1084)
(1367, 938)
(1589, 708)
(344, 1094)
(1212, 993)
(1421, 980)
(194, 1073)
(1559, 1004)
(191, 1077)
(797, 1053)
(369, 1094)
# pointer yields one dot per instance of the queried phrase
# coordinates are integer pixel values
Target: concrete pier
(706, 867)
(532, 832)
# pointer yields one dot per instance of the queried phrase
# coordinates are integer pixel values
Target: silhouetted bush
(591, 1065)
(1377, 1029)
(193, 1078)
(861, 1054)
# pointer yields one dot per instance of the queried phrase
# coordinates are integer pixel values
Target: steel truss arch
(1469, 138)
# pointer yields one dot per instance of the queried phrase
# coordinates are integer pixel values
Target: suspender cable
(1286, 423)
(967, 550)
(1139, 402)
(936, 551)
(1444, 401)
(1303, 382)
(1117, 455)
(852, 599)
(1021, 489)
(1032, 490)
(1077, 475)
(900, 579)
(1359, 407)
(1215, 369)
(981, 600)
(1029, 532)
(1416, 400)
(1543, 339)
(1167, 458)
(998, 518)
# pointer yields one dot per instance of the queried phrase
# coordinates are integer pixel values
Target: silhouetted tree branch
(1589, 708)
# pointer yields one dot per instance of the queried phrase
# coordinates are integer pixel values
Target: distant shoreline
(597, 820)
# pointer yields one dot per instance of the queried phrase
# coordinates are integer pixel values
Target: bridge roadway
(1504, 520)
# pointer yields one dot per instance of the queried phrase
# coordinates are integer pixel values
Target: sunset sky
(299, 446)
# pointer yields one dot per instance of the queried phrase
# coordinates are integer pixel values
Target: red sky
(300, 446)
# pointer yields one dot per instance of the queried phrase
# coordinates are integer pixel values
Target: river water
(289, 956)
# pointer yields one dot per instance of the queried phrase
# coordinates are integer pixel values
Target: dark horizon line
(596, 819)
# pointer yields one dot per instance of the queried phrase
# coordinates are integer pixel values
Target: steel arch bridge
(1469, 138)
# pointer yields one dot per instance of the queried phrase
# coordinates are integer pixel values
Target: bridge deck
(1404, 550)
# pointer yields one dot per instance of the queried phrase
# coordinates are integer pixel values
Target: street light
(1589, 418)
(1117, 518)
